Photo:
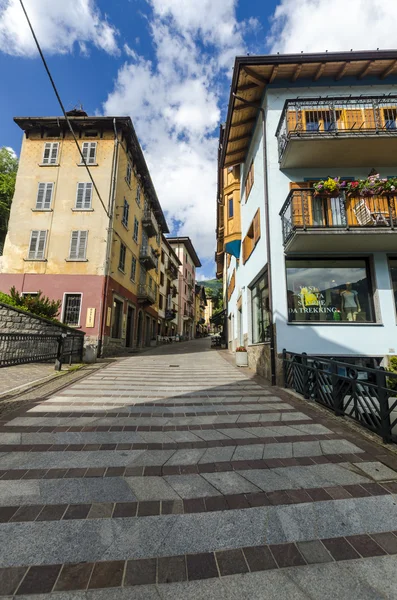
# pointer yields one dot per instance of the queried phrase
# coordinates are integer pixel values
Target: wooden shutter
(291, 121)
(34, 235)
(74, 243)
(40, 248)
(54, 153)
(44, 196)
(80, 195)
(85, 150)
(83, 196)
(82, 246)
(257, 227)
(47, 153)
(92, 153)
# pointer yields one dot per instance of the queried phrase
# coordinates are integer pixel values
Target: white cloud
(319, 25)
(174, 103)
(59, 26)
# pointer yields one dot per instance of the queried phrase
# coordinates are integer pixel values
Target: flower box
(241, 357)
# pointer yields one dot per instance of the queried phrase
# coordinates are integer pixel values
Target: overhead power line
(62, 106)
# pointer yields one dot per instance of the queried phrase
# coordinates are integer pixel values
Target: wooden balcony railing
(304, 210)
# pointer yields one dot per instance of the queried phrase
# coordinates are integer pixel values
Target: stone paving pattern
(173, 474)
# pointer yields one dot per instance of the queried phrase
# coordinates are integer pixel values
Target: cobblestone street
(174, 475)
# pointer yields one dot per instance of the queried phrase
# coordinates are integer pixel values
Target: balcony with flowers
(342, 215)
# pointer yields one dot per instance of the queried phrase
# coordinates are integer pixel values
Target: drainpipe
(268, 247)
(108, 241)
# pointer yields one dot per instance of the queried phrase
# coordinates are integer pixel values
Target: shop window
(329, 290)
(260, 311)
(71, 310)
(249, 181)
(117, 318)
(393, 275)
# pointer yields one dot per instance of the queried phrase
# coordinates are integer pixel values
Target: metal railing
(148, 255)
(22, 348)
(367, 395)
(336, 116)
(303, 209)
(171, 269)
(145, 292)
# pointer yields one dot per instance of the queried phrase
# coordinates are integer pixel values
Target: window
(390, 116)
(50, 156)
(150, 282)
(123, 251)
(160, 301)
(185, 289)
(162, 256)
(78, 245)
(161, 278)
(230, 207)
(31, 294)
(83, 196)
(126, 210)
(252, 237)
(71, 310)
(136, 230)
(133, 269)
(128, 173)
(393, 275)
(260, 311)
(89, 153)
(249, 182)
(333, 290)
(44, 196)
(138, 195)
(117, 318)
(37, 245)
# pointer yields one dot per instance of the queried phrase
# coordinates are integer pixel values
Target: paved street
(174, 475)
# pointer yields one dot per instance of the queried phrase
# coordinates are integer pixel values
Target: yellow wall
(62, 219)
(231, 181)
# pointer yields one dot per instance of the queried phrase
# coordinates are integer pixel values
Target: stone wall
(259, 360)
(13, 320)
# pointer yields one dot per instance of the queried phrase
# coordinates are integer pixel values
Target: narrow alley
(173, 474)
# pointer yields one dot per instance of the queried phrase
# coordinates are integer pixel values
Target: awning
(219, 318)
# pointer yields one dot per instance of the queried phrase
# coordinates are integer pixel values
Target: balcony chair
(365, 216)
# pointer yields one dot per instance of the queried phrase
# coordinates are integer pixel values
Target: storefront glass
(393, 274)
(330, 290)
(260, 311)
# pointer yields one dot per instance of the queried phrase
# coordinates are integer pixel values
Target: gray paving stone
(312, 429)
(210, 589)
(151, 488)
(210, 435)
(183, 436)
(314, 552)
(86, 437)
(283, 450)
(191, 486)
(185, 457)
(218, 454)
(339, 447)
(377, 471)
(307, 449)
(61, 491)
(266, 585)
(379, 572)
(11, 438)
(151, 458)
(230, 483)
(294, 416)
(270, 480)
(251, 452)
(55, 460)
(237, 434)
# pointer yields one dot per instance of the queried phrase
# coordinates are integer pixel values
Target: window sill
(74, 326)
(88, 164)
(337, 324)
(76, 259)
(121, 270)
(259, 344)
(128, 183)
(82, 209)
(41, 209)
(35, 259)
(132, 280)
(48, 165)
(125, 226)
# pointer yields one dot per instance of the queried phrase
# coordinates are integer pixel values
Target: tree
(8, 174)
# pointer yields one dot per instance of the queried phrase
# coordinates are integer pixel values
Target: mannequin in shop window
(350, 303)
(310, 299)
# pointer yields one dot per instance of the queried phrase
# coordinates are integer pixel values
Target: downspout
(268, 245)
(108, 241)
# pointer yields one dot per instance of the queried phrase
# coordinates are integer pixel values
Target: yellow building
(97, 253)
(200, 303)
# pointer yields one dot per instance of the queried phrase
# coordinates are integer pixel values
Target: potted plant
(241, 356)
(329, 187)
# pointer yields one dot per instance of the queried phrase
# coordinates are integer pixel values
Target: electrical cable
(62, 107)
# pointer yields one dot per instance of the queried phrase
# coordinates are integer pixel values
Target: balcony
(316, 224)
(146, 294)
(149, 222)
(171, 269)
(338, 132)
(187, 314)
(148, 257)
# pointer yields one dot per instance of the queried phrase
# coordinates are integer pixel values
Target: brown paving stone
(153, 471)
(77, 511)
(102, 510)
(340, 549)
(231, 562)
(34, 474)
(314, 552)
(115, 472)
(235, 501)
(10, 579)
(55, 474)
(52, 512)
(75, 473)
(95, 472)
(216, 503)
(357, 491)
(6, 512)
(194, 505)
(74, 577)
(149, 508)
(171, 569)
(387, 541)
(26, 513)
(259, 558)
(338, 493)
(287, 555)
(133, 472)
(201, 566)
(107, 574)
(125, 509)
(279, 497)
(172, 507)
(140, 572)
(319, 494)
(39, 580)
(375, 489)
(365, 545)
(206, 468)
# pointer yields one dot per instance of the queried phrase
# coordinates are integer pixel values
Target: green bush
(38, 305)
(392, 381)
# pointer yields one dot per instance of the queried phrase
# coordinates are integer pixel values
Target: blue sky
(168, 64)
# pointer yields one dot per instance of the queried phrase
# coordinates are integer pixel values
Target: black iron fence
(367, 395)
(21, 348)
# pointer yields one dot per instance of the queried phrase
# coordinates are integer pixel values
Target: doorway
(129, 342)
(147, 331)
(139, 341)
